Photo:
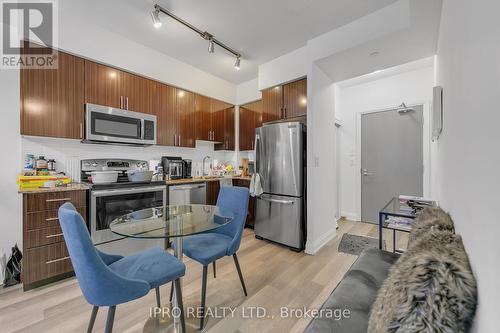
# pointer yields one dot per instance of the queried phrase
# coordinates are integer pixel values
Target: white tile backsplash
(68, 152)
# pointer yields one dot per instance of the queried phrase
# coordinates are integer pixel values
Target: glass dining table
(171, 223)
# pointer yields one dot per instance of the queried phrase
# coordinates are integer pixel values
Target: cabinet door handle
(121, 102)
(56, 260)
(81, 131)
(51, 219)
(126, 99)
(179, 140)
(54, 235)
(57, 200)
(175, 140)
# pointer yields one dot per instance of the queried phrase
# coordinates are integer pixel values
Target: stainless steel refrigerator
(280, 153)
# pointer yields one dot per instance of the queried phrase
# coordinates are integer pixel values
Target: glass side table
(392, 208)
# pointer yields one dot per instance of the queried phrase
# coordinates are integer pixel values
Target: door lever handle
(365, 172)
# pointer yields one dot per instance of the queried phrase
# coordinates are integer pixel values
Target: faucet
(203, 167)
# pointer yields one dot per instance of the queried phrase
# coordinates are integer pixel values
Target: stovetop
(121, 165)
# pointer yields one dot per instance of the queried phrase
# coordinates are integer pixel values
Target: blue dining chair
(206, 248)
(109, 280)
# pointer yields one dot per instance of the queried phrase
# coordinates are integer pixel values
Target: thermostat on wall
(437, 112)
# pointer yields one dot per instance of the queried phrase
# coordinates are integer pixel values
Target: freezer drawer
(187, 194)
(280, 219)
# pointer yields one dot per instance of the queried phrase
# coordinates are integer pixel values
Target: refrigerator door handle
(257, 139)
(283, 202)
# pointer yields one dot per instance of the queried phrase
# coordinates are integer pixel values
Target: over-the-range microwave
(105, 124)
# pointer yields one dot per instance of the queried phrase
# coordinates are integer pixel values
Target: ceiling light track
(203, 34)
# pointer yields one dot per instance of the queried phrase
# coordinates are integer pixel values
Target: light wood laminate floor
(275, 277)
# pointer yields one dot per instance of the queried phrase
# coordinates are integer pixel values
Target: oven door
(115, 125)
(107, 205)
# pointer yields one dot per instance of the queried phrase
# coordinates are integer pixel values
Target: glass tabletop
(394, 208)
(171, 221)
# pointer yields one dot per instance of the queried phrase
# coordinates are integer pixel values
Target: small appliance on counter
(173, 167)
(187, 169)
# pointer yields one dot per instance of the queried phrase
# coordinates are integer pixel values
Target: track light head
(155, 16)
(237, 64)
(211, 46)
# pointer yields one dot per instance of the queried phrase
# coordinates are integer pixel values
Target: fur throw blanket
(430, 289)
(430, 218)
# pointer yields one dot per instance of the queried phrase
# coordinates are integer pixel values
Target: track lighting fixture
(211, 46)
(212, 41)
(155, 16)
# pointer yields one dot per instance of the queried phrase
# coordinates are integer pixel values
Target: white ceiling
(415, 41)
(260, 29)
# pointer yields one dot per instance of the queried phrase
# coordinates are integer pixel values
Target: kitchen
(121, 122)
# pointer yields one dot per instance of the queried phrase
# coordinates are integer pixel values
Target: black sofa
(356, 292)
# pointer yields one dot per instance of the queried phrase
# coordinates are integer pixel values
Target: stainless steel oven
(108, 204)
(109, 125)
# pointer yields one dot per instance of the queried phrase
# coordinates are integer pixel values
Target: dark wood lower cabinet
(46, 257)
(251, 202)
(213, 189)
(212, 192)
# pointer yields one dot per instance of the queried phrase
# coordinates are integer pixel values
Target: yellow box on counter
(39, 181)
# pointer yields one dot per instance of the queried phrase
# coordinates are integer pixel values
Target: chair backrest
(99, 284)
(235, 200)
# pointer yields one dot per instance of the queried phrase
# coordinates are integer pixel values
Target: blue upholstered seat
(206, 247)
(154, 266)
(109, 280)
(225, 241)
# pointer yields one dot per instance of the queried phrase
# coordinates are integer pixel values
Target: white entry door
(391, 158)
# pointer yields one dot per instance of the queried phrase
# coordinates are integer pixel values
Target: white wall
(414, 87)
(321, 176)
(10, 205)
(469, 71)
(286, 68)
(248, 92)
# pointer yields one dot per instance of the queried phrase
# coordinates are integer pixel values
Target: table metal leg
(380, 221)
(393, 241)
(178, 254)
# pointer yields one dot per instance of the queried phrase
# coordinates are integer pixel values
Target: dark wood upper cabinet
(250, 119)
(295, 99)
(103, 85)
(53, 103)
(272, 104)
(52, 100)
(137, 93)
(229, 138)
(218, 120)
(186, 116)
(164, 107)
(203, 114)
(285, 101)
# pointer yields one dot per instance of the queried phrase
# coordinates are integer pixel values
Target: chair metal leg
(92, 319)
(158, 303)
(215, 274)
(172, 292)
(110, 320)
(178, 295)
(239, 273)
(203, 295)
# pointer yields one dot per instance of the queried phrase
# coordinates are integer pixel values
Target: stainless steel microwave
(109, 125)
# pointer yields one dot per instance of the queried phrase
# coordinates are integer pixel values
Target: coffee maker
(173, 167)
(187, 168)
